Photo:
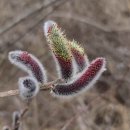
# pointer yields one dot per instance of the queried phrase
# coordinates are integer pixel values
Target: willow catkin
(60, 50)
(79, 55)
(28, 87)
(83, 81)
(28, 63)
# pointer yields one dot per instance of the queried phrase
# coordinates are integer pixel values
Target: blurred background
(102, 27)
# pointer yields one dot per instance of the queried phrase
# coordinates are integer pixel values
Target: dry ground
(102, 28)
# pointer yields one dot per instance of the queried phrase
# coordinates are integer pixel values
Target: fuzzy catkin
(28, 87)
(79, 55)
(28, 63)
(60, 50)
(83, 81)
(16, 120)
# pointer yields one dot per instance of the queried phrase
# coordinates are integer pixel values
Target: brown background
(102, 27)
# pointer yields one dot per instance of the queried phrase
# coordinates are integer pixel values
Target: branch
(43, 87)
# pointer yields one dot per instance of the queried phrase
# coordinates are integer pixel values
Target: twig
(24, 112)
(9, 93)
(43, 87)
(68, 123)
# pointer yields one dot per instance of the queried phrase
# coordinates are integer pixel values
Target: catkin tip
(28, 87)
(47, 26)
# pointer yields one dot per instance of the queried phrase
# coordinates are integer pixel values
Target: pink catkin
(66, 68)
(28, 63)
(85, 80)
(80, 59)
(33, 65)
(58, 47)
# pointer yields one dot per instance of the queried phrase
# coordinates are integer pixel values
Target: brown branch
(9, 93)
(43, 87)
(24, 111)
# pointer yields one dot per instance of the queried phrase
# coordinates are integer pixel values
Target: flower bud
(79, 56)
(28, 87)
(60, 50)
(28, 63)
(16, 120)
(83, 81)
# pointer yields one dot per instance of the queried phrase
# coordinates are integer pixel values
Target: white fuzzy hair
(24, 92)
(47, 25)
(13, 60)
(90, 85)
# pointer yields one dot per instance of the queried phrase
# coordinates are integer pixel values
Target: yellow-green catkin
(60, 49)
(79, 55)
(75, 45)
(59, 42)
